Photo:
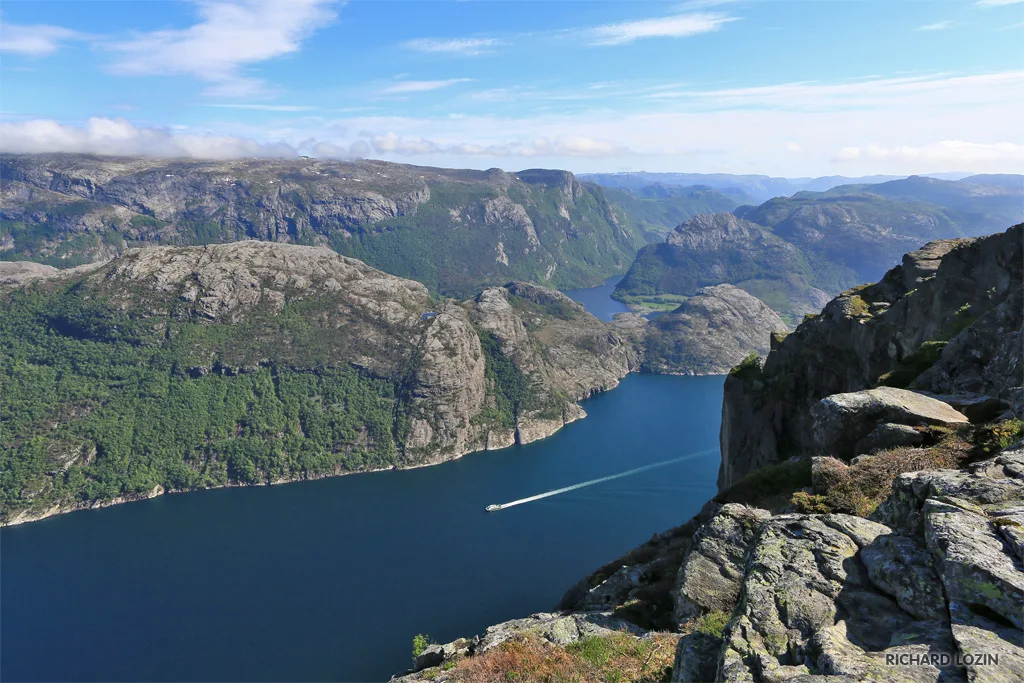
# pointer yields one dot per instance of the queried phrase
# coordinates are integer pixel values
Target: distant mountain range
(794, 252)
(454, 230)
(758, 188)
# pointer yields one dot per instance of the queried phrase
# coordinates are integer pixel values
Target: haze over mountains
(758, 187)
(794, 252)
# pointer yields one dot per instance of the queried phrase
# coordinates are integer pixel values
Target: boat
(493, 508)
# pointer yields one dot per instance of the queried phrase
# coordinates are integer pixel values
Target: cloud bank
(230, 36)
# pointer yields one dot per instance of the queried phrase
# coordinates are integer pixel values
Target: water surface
(330, 579)
(598, 300)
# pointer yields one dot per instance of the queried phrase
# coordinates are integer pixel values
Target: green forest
(96, 403)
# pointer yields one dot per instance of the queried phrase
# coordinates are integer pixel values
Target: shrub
(809, 503)
(420, 642)
(608, 659)
(911, 367)
(769, 487)
(749, 368)
(859, 489)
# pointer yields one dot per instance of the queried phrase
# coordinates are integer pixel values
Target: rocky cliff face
(948, 320)
(710, 333)
(888, 547)
(363, 369)
(452, 230)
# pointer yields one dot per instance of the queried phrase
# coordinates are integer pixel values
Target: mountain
(758, 187)
(710, 333)
(653, 210)
(721, 248)
(862, 532)
(454, 230)
(793, 252)
(177, 368)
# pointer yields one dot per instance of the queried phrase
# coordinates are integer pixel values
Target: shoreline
(27, 517)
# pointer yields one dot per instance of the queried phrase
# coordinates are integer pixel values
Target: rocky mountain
(453, 230)
(862, 531)
(175, 368)
(720, 248)
(794, 252)
(710, 333)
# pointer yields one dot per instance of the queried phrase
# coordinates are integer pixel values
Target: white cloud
(231, 35)
(421, 86)
(677, 26)
(937, 26)
(460, 46)
(900, 126)
(120, 137)
(940, 89)
(945, 154)
(35, 41)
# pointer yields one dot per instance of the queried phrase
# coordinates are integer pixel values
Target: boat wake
(636, 470)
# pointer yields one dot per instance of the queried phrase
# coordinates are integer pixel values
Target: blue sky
(784, 87)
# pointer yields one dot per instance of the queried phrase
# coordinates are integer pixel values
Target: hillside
(793, 252)
(454, 230)
(653, 210)
(176, 368)
(859, 534)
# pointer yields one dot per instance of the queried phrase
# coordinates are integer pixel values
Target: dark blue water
(330, 580)
(598, 300)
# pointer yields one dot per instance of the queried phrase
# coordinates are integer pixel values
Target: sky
(780, 87)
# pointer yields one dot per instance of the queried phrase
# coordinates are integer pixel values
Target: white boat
(493, 508)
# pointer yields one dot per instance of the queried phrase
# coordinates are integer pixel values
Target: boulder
(978, 408)
(841, 421)
(710, 576)
(696, 658)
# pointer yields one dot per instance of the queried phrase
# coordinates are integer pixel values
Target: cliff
(174, 368)
(947, 320)
(453, 230)
(884, 544)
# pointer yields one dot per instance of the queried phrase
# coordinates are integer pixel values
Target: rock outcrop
(436, 379)
(942, 328)
(710, 332)
(773, 581)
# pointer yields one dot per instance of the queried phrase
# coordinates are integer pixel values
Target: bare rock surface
(970, 302)
(710, 332)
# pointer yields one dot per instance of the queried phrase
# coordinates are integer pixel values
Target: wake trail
(620, 475)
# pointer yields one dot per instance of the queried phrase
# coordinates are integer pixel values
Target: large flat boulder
(846, 425)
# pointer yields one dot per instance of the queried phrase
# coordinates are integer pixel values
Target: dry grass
(859, 489)
(606, 659)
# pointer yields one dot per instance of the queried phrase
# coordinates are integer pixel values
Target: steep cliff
(173, 368)
(884, 543)
(948, 320)
(453, 230)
